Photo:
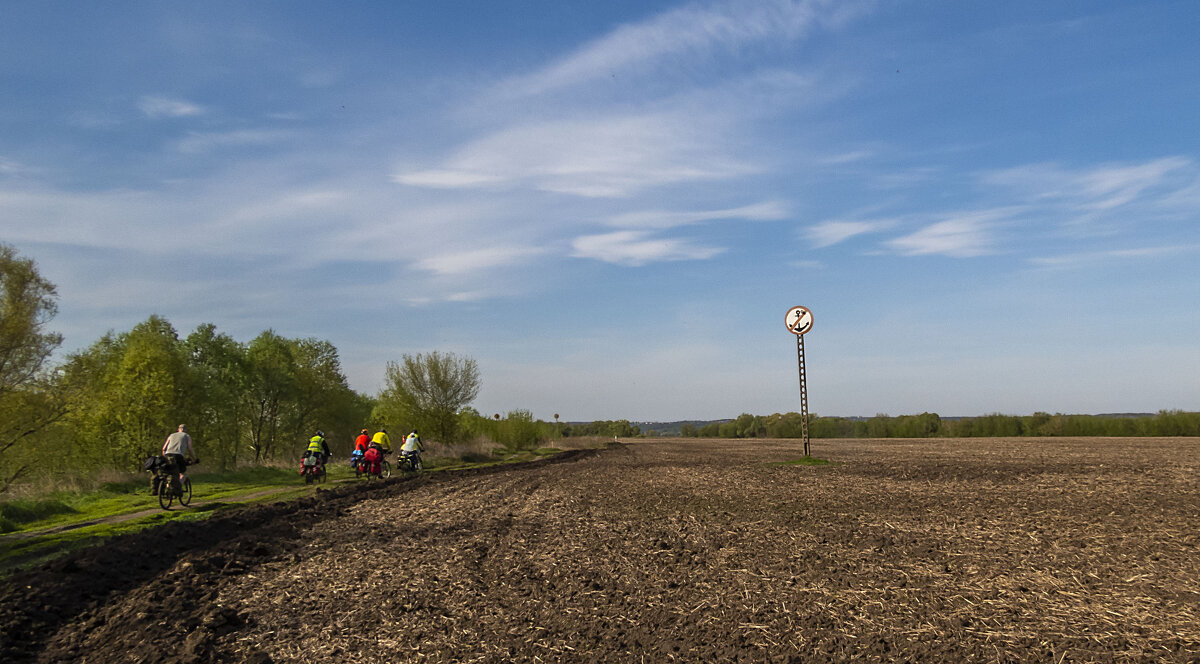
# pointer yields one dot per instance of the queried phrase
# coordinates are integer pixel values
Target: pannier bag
(154, 462)
(310, 460)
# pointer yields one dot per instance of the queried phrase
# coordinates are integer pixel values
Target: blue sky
(989, 207)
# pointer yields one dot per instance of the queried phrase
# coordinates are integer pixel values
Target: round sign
(799, 320)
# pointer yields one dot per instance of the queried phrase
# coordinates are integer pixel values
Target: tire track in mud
(133, 596)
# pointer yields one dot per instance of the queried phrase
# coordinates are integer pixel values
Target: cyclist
(179, 451)
(381, 441)
(412, 448)
(379, 447)
(362, 441)
(360, 448)
(318, 447)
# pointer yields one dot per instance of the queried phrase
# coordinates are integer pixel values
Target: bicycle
(409, 463)
(385, 468)
(165, 483)
(313, 469)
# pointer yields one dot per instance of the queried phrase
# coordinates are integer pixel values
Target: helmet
(320, 433)
(364, 431)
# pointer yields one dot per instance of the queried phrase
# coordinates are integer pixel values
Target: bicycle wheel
(166, 494)
(185, 497)
(308, 475)
(321, 475)
(385, 469)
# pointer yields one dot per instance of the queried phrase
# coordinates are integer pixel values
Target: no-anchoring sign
(799, 320)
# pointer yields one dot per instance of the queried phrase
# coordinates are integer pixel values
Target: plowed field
(1030, 550)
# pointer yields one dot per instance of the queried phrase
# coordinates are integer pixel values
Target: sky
(610, 206)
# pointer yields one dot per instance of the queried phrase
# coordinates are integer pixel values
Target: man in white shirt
(178, 449)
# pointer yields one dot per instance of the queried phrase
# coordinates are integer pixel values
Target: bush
(519, 431)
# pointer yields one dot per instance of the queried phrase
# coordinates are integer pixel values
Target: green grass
(219, 490)
(14, 513)
(23, 552)
(61, 508)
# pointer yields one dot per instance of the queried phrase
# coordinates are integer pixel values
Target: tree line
(110, 405)
(114, 402)
(930, 425)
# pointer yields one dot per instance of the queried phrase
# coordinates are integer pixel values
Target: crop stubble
(698, 550)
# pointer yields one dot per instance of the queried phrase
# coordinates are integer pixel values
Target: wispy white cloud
(1096, 189)
(962, 236)
(628, 138)
(611, 156)
(447, 179)
(765, 211)
(635, 248)
(155, 106)
(690, 32)
(1093, 258)
(829, 233)
(476, 260)
(1036, 203)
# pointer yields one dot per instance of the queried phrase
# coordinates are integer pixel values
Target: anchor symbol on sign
(801, 324)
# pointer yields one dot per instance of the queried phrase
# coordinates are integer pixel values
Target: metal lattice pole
(803, 392)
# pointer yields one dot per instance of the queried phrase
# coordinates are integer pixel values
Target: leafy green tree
(84, 379)
(789, 425)
(127, 393)
(27, 403)
(272, 386)
(215, 404)
(148, 389)
(320, 390)
(749, 426)
(879, 426)
(427, 391)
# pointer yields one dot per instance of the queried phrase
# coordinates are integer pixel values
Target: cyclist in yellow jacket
(318, 447)
(380, 439)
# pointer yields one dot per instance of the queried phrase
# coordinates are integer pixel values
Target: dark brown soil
(1030, 550)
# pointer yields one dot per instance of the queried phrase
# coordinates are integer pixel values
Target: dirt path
(934, 551)
(195, 505)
